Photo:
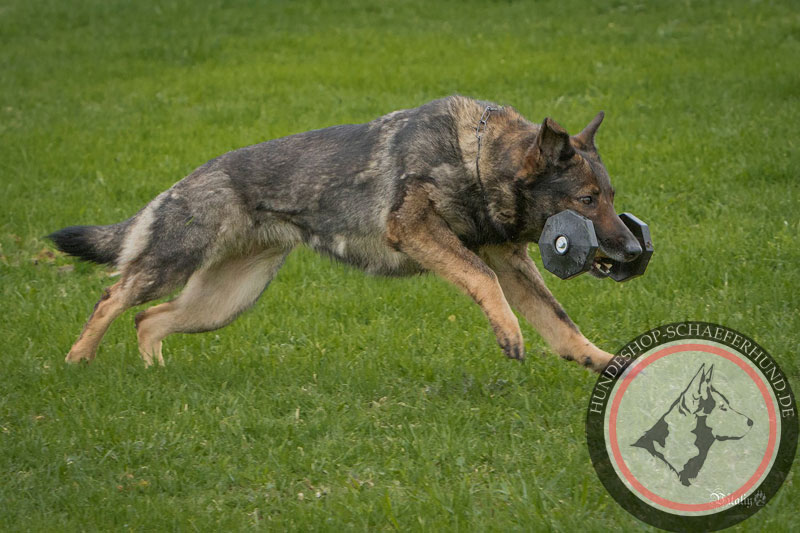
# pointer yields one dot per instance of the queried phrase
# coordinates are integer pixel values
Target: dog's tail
(99, 244)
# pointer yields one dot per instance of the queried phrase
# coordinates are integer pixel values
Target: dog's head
(724, 421)
(702, 399)
(566, 172)
(699, 416)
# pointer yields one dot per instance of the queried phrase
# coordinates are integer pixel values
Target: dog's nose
(749, 423)
(632, 250)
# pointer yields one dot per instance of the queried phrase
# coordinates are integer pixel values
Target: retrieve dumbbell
(568, 245)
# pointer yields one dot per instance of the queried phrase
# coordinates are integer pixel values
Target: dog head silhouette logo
(692, 427)
(700, 416)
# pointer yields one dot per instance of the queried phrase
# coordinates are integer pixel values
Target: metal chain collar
(479, 131)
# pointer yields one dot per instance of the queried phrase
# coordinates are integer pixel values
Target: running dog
(457, 187)
(699, 417)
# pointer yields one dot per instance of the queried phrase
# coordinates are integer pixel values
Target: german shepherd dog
(699, 417)
(457, 187)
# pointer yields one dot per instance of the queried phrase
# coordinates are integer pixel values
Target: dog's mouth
(601, 266)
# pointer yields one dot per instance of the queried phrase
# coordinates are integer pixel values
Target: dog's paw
(589, 356)
(513, 350)
(584, 360)
(76, 356)
(597, 360)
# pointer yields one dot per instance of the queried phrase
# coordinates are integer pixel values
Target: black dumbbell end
(624, 271)
(568, 244)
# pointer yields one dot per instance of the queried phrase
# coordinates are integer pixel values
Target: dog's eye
(588, 200)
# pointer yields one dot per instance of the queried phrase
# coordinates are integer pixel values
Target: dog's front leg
(416, 230)
(524, 287)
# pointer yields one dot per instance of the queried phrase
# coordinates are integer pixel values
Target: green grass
(386, 404)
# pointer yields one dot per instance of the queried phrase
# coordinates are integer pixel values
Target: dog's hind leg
(137, 286)
(213, 297)
(523, 285)
(110, 306)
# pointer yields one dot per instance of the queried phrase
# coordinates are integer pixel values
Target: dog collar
(480, 129)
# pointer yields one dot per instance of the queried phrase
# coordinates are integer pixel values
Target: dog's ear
(688, 400)
(698, 377)
(705, 383)
(586, 137)
(553, 141)
(551, 146)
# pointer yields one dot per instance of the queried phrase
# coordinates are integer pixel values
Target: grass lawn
(342, 401)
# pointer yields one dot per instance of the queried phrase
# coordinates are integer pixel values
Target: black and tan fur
(399, 195)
